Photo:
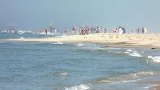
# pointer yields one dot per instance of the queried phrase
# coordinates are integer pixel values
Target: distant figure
(105, 30)
(121, 30)
(114, 30)
(87, 29)
(74, 30)
(45, 31)
(142, 29)
(81, 30)
(138, 30)
(145, 30)
(93, 30)
(65, 31)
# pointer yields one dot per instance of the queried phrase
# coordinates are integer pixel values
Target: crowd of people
(85, 30)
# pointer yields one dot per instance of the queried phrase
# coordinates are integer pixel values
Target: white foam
(61, 73)
(155, 58)
(129, 50)
(80, 44)
(21, 37)
(133, 53)
(78, 87)
(144, 73)
(128, 78)
(58, 43)
(89, 46)
(149, 86)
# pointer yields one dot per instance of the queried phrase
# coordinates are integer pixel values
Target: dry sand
(110, 39)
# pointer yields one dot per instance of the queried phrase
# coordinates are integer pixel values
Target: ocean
(75, 66)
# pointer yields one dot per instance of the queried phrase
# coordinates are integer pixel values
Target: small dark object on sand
(153, 48)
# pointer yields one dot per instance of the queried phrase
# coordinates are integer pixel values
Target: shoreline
(155, 85)
(108, 39)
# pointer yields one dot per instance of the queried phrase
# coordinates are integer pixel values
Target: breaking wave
(80, 44)
(78, 87)
(155, 59)
(132, 77)
(133, 53)
(89, 45)
(58, 43)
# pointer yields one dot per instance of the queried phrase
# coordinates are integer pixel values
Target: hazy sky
(37, 14)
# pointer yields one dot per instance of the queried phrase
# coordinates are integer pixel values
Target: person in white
(121, 30)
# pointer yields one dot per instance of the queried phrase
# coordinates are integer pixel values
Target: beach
(102, 61)
(108, 39)
(79, 45)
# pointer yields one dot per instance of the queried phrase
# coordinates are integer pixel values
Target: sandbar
(108, 39)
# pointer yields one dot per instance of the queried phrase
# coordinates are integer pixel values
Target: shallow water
(74, 66)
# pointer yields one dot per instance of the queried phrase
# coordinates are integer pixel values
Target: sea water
(75, 66)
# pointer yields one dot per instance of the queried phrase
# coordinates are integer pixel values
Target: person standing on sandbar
(45, 31)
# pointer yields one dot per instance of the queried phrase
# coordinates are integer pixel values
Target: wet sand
(155, 88)
(156, 85)
(108, 39)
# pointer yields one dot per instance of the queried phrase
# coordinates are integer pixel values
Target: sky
(37, 14)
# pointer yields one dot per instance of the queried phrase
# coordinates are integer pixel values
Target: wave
(80, 44)
(57, 43)
(132, 77)
(151, 57)
(61, 73)
(130, 80)
(21, 37)
(155, 59)
(89, 45)
(78, 87)
(133, 53)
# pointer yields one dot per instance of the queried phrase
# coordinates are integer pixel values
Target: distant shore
(108, 39)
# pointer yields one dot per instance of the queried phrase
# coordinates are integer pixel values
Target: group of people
(120, 30)
(85, 30)
(50, 30)
(142, 30)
